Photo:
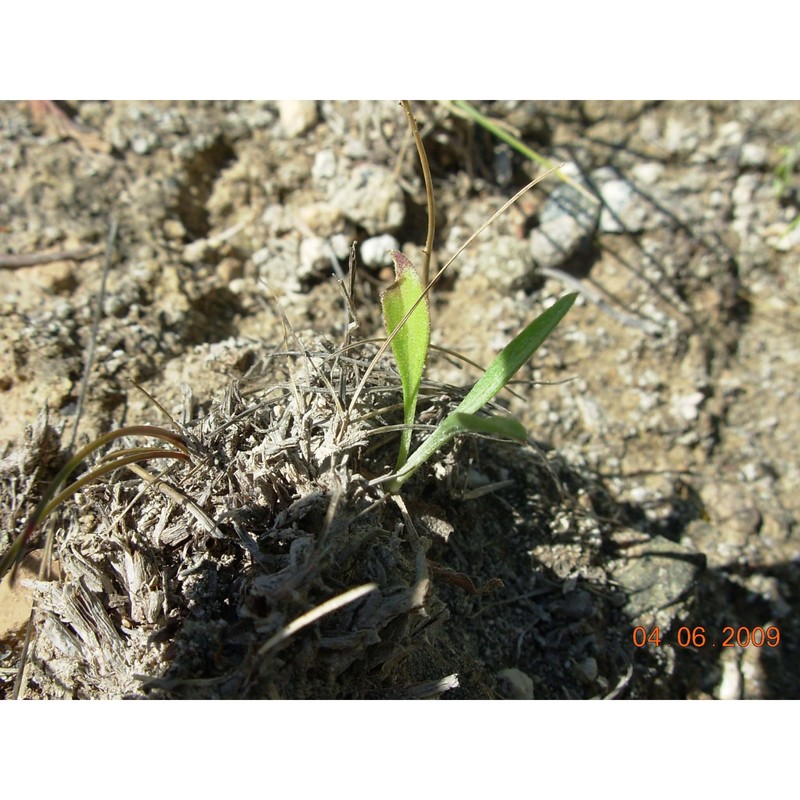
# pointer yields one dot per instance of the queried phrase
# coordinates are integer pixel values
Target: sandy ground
(666, 404)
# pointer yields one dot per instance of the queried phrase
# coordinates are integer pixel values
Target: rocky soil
(643, 545)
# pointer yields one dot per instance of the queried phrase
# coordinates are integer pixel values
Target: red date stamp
(740, 636)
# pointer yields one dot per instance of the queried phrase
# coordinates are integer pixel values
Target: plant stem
(426, 172)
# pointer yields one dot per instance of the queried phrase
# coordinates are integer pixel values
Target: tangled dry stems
(151, 596)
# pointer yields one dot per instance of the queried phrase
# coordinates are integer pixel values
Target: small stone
(687, 407)
(63, 310)
(197, 251)
(315, 256)
(567, 221)
(514, 684)
(297, 116)
(592, 414)
(640, 495)
(277, 219)
(730, 134)
(144, 143)
(555, 241)
(506, 262)
(623, 209)
(567, 200)
(648, 172)
(341, 244)
(278, 264)
(373, 199)
(115, 306)
(323, 219)
(51, 235)
(753, 154)
(679, 136)
(656, 574)
(229, 269)
(375, 250)
(324, 165)
(174, 230)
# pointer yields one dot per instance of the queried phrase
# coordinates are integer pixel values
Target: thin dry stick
(98, 314)
(348, 288)
(178, 497)
(35, 259)
(426, 171)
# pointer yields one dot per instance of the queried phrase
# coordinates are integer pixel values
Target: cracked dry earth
(643, 545)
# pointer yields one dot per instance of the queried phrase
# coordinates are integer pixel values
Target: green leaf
(515, 354)
(410, 343)
(492, 426)
(499, 373)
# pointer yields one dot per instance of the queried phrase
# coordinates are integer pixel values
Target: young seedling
(410, 349)
(410, 344)
(407, 320)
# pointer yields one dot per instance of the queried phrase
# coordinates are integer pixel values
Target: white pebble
(324, 165)
(375, 250)
(297, 116)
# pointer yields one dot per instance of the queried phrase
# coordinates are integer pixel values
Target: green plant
(410, 343)
(783, 175)
(783, 179)
(404, 303)
(407, 320)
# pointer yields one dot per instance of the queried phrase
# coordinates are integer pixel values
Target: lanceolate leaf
(499, 373)
(410, 345)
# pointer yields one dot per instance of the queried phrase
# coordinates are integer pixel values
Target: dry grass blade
(181, 499)
(328, 607)
(52, 497)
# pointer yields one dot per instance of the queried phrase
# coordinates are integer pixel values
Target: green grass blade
(514, 355)
(513, 141)
(498, 374)
(410, 344)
